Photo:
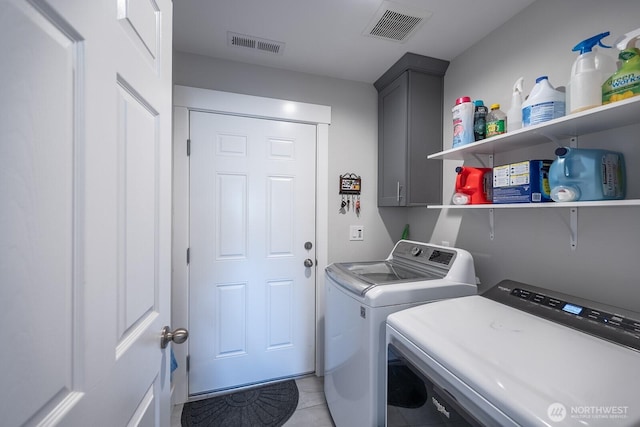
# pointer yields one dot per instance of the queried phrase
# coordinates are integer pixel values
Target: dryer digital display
(573, 309)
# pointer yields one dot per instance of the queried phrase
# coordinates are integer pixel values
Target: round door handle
(308, 263)
(178, 336)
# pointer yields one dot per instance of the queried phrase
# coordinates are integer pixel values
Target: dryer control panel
(611, 323)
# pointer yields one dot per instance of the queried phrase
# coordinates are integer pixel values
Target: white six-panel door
(252, 209)
(85, 185)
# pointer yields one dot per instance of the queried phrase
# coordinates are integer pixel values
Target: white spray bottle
(514, 114)
(588, 73)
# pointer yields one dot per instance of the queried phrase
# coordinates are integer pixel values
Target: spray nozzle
(517, 86)
(628, 40)
(587, 45)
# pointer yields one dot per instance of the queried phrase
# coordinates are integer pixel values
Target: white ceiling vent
(396, 22)
(250, 42)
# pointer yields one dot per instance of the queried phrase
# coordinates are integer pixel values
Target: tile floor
(312, 410)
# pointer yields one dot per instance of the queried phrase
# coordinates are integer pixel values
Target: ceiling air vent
(396, 22)
(250, 42)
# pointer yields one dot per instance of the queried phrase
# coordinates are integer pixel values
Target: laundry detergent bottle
(580, 174)
(473, 186)
(588, 73)
(624, 83)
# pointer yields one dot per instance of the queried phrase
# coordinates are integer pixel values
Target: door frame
(187, 99)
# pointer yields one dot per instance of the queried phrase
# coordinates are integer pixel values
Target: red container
(475, 183)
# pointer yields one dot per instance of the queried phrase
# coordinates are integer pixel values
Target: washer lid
(359, 277)
(523, 364)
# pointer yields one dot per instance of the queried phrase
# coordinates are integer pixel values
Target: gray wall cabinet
(409, 128)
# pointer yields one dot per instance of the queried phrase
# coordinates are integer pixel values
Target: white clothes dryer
(520, 355)
(359, 297)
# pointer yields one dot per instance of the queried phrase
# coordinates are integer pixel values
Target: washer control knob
(415, 251)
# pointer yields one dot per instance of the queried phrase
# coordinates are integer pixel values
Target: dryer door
(414, 400)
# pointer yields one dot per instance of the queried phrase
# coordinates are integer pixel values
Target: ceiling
(328, 37)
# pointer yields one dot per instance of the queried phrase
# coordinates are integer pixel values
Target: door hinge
(188, 255)
(188, 147)
(188, 362)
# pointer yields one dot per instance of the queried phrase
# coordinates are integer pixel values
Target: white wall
(532, 246)
(353, 141)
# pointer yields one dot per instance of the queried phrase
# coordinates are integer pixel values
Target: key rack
(350, 187)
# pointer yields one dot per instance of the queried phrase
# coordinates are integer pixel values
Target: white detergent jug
(543, 104)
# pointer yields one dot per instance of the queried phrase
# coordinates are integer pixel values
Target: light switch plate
(356, 232)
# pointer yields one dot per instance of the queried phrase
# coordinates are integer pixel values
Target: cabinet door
(392, 143)
(425, 137)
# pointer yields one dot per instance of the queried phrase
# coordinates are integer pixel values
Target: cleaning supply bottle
(543, 104)
(480, 120)
(514, 113)
(462, 122)
(588, 73)
(405, 232)
(496, 121)
(587, 174)
(625, 82)
(473, 186)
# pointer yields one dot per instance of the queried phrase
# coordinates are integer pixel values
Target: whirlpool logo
(440, 407)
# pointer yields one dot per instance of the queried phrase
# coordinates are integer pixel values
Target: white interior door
(85, 167)
(252, 209)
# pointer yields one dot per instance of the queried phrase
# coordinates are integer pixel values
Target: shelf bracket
(573, 225)
(550, 137)
(491, 225)
(486, 161)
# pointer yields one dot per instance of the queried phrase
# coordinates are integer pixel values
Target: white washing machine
(520, 355)
(359, 297)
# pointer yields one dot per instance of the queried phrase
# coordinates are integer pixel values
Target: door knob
(308, 263)
(178, 336)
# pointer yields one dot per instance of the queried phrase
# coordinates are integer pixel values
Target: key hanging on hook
(358, 205)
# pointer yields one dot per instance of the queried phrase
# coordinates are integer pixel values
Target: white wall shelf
(606, 117)
(599, 119)
(551, 205)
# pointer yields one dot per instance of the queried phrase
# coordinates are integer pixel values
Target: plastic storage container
(587, 174)
(496, 121)
(463, 121)
(543, 104)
